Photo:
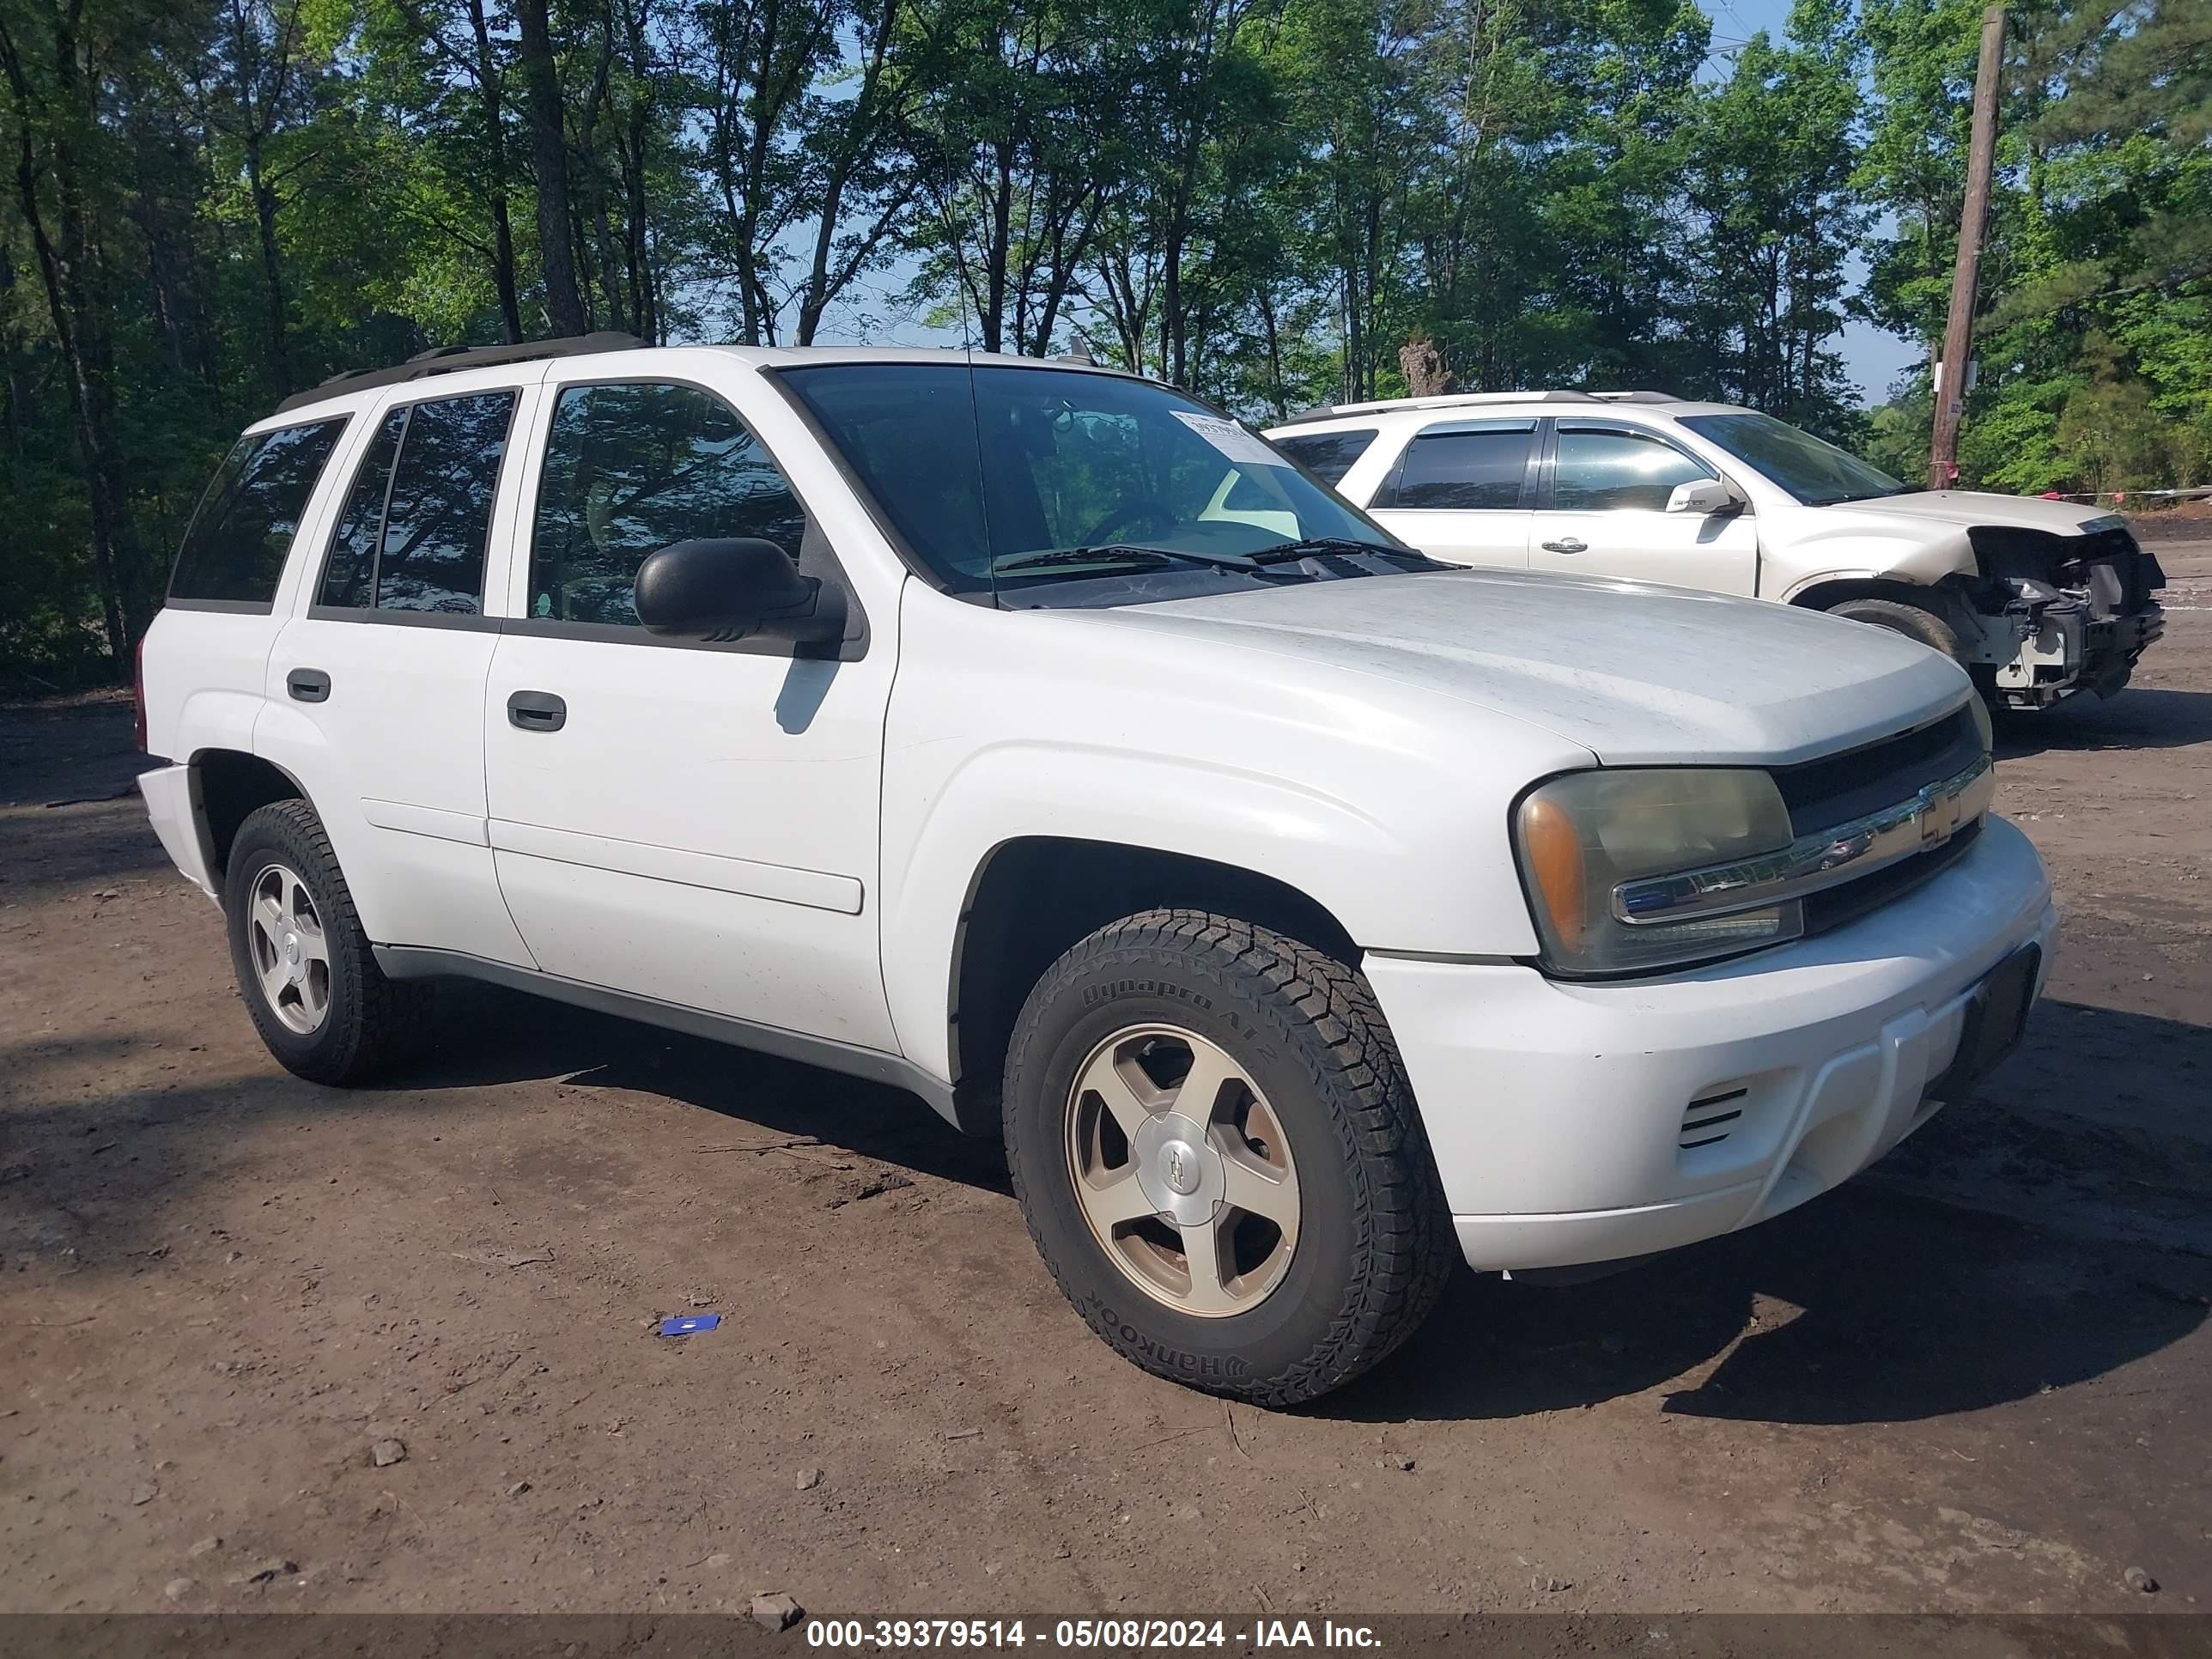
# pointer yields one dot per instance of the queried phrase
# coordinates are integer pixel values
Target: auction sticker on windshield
(1230, 439)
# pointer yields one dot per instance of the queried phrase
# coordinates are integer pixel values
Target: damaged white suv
(2037, 599)
(1306, 916)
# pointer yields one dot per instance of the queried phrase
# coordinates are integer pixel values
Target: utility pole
(1959, 330)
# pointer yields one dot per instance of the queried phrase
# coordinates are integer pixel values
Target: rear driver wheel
(305, 965)
(1219, 1159)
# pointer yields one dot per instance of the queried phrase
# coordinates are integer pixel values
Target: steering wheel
(1150, 512)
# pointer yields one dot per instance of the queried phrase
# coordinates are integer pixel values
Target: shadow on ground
(489, 1035)
(2139, 717)
(1868, 1305)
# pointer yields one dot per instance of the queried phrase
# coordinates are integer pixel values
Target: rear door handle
(308, 685)
(536, 711)
(1567, 544)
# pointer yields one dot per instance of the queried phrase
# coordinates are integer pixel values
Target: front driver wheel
(1219, 1159)
(1913, 621)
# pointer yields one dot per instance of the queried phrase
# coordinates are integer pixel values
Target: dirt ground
(1977, 1379)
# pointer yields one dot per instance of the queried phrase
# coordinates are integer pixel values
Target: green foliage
(2095, 373)
(213, 203)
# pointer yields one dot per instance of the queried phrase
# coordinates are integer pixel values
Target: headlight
(1581, 835)
(1982, 722)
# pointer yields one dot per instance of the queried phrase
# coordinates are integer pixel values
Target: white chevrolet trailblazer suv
(2037, 599)
(1304, 914)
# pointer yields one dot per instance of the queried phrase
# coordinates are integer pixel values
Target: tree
(1771, 158)
(54, 57)
(1020, 155)
(548, 152)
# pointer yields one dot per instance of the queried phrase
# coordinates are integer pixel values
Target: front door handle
(308, 685)
(536, 711)
(1567, 544)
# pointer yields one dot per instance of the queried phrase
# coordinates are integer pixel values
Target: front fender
(1851, 555)
(1387, 808)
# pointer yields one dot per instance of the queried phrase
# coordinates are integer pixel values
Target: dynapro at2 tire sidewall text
(1374, 1247)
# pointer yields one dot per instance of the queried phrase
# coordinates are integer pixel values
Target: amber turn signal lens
(1553, 847)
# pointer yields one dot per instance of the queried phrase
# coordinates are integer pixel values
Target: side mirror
(1703, 495)
(734, 588)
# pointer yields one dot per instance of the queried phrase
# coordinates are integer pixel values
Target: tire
(1362, 1247)
(345, 1022)
(1914, 621)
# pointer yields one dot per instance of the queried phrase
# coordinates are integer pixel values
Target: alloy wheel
(1183, 1170)
(291, 952)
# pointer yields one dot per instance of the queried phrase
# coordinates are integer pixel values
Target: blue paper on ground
(687, 1323)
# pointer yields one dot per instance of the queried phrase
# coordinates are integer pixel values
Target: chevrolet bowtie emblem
(1938, 816)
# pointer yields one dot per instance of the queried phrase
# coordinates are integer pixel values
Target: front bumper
(1574, 1123)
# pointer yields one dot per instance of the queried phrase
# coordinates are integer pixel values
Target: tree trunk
(548, 150)
(993, 310)
(62, 271)
(502, 228)
(1275, 352)
(272, 273)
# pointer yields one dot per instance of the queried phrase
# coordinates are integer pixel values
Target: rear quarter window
(234, 550)
(1328, 455)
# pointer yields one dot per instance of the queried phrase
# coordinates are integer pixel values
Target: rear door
(375, 687)
(270, 491)
(1603, 512)
(1463, 492)
(691, 822)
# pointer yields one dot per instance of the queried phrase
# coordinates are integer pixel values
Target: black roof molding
(1472, 400)
(451, 359)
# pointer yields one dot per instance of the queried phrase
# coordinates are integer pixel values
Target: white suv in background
(1304, 915)
(2038, 598)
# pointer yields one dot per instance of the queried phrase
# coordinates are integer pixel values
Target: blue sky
(1873, 356)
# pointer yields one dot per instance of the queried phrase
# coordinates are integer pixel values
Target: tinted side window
(350, 572)
(236, 545)
(631, 469)
(1463, 471)
(437, 516)
(1610, 471)
(1328, 455)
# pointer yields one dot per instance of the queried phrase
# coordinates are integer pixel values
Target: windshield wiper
(1312, 544)
(1120, 553)
(1868, 495)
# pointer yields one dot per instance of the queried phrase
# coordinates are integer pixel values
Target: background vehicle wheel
(1219, 1159)
(305, 967)
(1910, 620)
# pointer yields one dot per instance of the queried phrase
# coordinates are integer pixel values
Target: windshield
(1815, 471)
(1001, 478)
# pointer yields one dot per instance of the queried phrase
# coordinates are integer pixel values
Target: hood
(1634, 673)
(1970, 507)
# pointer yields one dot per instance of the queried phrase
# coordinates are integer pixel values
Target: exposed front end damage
(2050, 614)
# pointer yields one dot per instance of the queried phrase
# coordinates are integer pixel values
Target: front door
(695, 823)
(1603, 512)
(1462, 492)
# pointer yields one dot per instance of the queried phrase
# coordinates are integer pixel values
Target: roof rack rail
(1470, 400)
(451, 359)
